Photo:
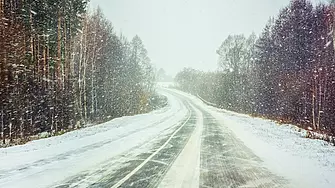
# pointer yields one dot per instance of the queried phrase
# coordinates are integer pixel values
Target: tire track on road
(148, 169)
(227, 162)
(185, 170)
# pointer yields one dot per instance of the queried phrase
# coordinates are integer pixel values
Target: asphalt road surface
(180, 146)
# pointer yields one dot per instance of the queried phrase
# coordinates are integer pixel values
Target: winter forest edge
(62, 67)
(286, 74)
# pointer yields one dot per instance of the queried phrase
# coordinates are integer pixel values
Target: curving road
(182, 145)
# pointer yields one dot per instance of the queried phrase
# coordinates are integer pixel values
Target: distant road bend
(181, 145)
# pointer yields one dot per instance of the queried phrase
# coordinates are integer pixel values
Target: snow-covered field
(227, 142)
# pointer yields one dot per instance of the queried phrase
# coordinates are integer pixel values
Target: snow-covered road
(186, 144)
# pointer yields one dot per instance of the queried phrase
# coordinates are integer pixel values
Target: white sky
(186, 33)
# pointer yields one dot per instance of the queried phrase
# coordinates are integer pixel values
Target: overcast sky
(186, 33)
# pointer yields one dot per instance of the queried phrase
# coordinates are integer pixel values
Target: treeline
(62, 66)
(287, 73)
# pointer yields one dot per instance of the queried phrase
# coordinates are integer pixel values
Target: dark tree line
(62, 67)
(287, 73)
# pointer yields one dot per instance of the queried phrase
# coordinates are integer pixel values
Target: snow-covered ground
(46, 162)
(305, 162)
(222, 138)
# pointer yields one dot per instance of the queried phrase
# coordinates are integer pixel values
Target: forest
(62, 66)
(285, 74)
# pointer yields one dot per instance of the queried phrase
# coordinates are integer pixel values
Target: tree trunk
(58, 64)
(47, 51)
(21, 127)
(38, 60)
(2, 127)
(80, 78)
(85, 59)
(31, 34)
(10, 129)
(92, 73)
(45, 79)
(333, 11)
(313, 102)
(320, 101)
(2, 8)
